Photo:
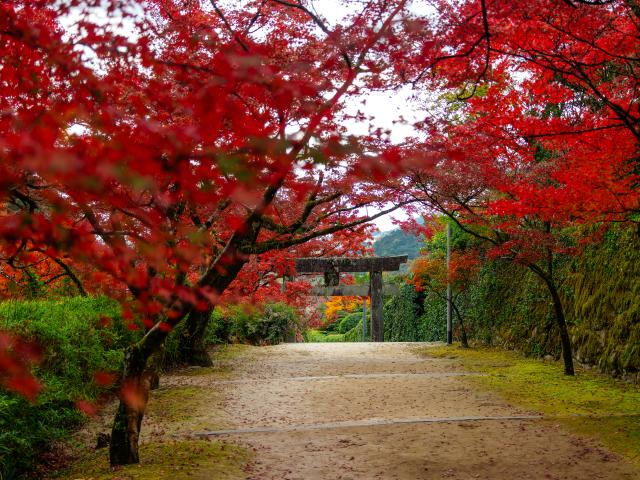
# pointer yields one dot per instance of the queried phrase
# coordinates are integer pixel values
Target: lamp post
(449, 299)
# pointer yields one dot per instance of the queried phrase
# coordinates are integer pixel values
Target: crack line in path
(363, 423)
(321, 361)
(350, 376)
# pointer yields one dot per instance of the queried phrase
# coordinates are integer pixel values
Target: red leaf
(104, 379)
(25, 385)
(88, 408)
(165, 327)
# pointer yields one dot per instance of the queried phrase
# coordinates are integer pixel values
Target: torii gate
(332, 266)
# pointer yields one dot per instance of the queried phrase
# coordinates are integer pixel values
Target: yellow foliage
(341, 304)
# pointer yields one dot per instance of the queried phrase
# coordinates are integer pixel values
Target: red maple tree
(541, 129)
(170, 158)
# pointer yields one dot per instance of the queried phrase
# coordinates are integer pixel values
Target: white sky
(388, 109)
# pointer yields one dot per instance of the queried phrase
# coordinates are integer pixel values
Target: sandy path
(330, 412)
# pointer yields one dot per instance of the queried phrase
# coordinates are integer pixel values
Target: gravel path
(380, 411)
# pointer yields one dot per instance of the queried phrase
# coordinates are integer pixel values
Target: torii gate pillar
(331, 267)
(377, 319)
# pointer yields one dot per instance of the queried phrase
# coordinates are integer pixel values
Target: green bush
(75, 345)
(275, 323)
(268, 324)
(219, 328)
(355, 334)
(349, 321)
(333, 326)
(319, 336)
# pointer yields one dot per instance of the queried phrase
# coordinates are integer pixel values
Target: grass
(588, 403)
(178, 404)
(188, 408)
(193, 460)
(230, 352)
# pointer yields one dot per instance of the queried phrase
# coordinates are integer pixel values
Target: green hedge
(401, 314)
(355, 334)
(319, 336)
(75, 346)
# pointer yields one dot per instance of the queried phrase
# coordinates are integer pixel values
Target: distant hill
(397, 242)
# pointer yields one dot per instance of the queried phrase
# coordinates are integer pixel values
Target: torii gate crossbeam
(332, 267)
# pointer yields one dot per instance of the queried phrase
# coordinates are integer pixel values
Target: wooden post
(348, 264)
(377, 327)
(331, 278)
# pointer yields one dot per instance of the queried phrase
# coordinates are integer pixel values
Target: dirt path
(367, 411)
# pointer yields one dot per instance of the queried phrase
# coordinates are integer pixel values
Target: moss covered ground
(193, 460)
(588, 403)
(226, 353)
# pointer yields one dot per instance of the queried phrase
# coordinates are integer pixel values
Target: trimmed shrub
(349, 321)
(355, 334)
(269, 324)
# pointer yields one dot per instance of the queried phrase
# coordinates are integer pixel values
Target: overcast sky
(386, 108)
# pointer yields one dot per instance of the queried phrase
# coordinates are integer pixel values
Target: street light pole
(449, 299)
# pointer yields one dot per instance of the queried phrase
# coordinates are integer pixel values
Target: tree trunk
(567, 353)
(125, 433)
(136, 377)
(154, 367)
(191, 348)
(464, 341)
(565, 341)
